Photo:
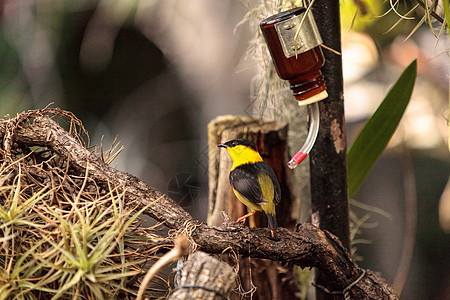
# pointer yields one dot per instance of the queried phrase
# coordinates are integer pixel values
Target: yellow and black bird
(253, 181)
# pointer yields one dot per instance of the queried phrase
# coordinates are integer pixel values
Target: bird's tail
(272, 220)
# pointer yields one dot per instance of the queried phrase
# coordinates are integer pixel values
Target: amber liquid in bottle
(301, 69)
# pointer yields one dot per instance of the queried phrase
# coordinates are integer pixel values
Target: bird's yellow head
(242, 151)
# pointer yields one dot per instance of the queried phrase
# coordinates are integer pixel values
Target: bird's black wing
(244, 179)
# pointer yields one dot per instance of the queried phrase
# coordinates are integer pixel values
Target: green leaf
(446, 12)
(445, 4)
(378, 130)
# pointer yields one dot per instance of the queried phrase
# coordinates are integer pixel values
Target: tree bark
(308, 247)
(328, 164)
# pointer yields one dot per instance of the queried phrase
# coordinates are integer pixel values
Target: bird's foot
(242, 219)
(273, 235)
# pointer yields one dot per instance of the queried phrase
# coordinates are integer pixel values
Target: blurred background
(153, 74)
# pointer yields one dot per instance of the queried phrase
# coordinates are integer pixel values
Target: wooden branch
(308, 247)
(46, 132)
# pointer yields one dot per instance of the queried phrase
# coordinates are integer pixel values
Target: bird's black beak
(223, 145)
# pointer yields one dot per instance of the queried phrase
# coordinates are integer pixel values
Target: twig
(433, 13)
(180, 249)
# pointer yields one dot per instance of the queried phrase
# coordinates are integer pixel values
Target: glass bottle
(298, 62)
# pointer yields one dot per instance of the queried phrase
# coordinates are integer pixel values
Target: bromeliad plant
(65, 237)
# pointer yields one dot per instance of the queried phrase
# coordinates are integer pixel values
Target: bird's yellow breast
(243, 155)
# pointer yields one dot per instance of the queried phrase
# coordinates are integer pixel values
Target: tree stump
(204, 277)
(270, 138)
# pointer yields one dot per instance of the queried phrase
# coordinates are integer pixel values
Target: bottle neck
(304, 89)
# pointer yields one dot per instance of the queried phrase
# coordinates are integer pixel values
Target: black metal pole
(329, 195)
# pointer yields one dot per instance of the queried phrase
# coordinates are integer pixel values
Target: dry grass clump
(62, 235)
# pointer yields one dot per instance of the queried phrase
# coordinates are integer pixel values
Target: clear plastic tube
(313, 112)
